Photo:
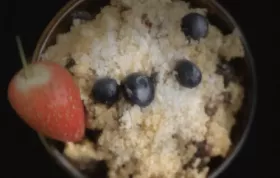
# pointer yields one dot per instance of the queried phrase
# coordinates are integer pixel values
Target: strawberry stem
(22, 57)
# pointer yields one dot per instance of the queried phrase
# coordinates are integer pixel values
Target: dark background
(27, 157)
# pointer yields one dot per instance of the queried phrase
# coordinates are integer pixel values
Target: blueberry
(194, 25)
(106, 91)
(139, 89)
(188, 74)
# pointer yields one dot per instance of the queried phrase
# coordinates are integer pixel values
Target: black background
(25, 155)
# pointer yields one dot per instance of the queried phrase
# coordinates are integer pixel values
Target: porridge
(156, 85)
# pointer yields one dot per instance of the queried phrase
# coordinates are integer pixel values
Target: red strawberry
(45, 96)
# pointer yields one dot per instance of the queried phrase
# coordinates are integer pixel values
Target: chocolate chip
(210, 109)
(227, 71)
(130, 176)
(70, 63)
(93, 135)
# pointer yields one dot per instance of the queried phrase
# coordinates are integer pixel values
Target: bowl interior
(218, 17)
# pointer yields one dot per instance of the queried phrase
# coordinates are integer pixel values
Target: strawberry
(46, 97)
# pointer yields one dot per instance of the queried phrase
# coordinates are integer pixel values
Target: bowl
(218, 16)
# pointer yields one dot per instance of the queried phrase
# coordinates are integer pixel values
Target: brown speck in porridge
(227, 71)
(202, 149)
(70, 63)
(210, 108)
(124, 8)
(146, 21)
(227, 97)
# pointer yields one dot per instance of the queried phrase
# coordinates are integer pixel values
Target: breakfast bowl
(241, 70)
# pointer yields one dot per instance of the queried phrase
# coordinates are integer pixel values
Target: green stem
(22, 57)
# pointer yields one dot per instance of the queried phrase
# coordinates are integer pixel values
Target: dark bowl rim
(73, 171)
